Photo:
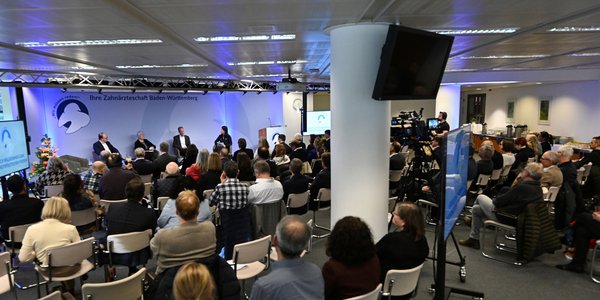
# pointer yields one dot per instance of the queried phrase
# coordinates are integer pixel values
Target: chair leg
(594, 253)
(320, 227)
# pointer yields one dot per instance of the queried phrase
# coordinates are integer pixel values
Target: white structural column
(448, 100)
(360, 127)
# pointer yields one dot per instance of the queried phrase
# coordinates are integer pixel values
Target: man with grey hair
(513, 202)
(566, 165)
(162, 187)
(291, 277)
(266, 189)
(552, 175)
(497, 158)
(141, 165)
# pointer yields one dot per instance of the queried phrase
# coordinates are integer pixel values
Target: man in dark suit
(103, 144)
(298, 151)
(322, 180)
(131, 216)
(181, 141)
(397, 161)
(163, 159)
(112, 183)
(20, 209)
(141, 165)
(297, 184)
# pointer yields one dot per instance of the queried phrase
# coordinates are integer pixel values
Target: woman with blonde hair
(200, 167)
(193, 282)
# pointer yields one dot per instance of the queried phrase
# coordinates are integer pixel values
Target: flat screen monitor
(432, 122)
(412, 64)
(13, 147)
(457, 144)
(317, 122)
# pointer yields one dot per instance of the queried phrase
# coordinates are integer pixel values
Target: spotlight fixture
(185, 91)
(132, 91)
(287, 93)
(275, 92)
(160, 91)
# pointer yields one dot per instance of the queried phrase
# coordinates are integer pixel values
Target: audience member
(131, 216)
(245, 164)
(322, 180)
(534, 144)
(187, 241)
(327, 141)
(353, 266)
(161, 162)
(163, 186)
(169, 218)
(297, 184)
(406, 247)
(497, 157)
(397, 160)
(224, 139)
(524, 153)
(298, 151)
(262, 142)
(141, 165)
(436, 150)
(20, 209)
(242, 149)
(508, 157)
(263, 154)
(112, 184)
(593, 157)
(587, 227)
(281, 158)
(91, 179)
(200, 167)
(212, 177)
(181, 142)
(316, 148)
(231, 198)
(266, 189)
(224, 155)
(298, 138)
(146, 145)
(291, 276)
(190, 158)
(442, 127)
(193, 282)
(546, 140)
(104, 145)
(513, 202)
(55, 173)
(552, 175)
(78, 198)
(471, 165)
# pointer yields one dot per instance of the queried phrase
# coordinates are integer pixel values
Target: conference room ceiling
(92, 36)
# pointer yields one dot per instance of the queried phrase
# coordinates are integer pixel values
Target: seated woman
(209, 179)
(53, 231)
(353, 267)
(280, 157)
(190, 158)
(245, 165)
(193, 281)
(55, 174)
(78, 198)
(200, 167)
(168, 217)
(406, 247)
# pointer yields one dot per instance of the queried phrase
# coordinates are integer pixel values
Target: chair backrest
(53, 190)
(551, 195)
(298, 200)
(83, 217)
(252, 251)
(146, 178)
(586, 169)
(161, 202)
(496, 174)
(580, 172)
(395, 175)
(107, 203)
(71, 254)
(324, 194)
(17, 233)
(147, 188)
(372, 295)
(401, 282)
(405, 170)
(129, 288)
(206, 194)
(128, 242)
(56, 295)
(6, 283)
(482, 180)
(505, 171)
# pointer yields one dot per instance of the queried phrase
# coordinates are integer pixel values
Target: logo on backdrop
(71, 114)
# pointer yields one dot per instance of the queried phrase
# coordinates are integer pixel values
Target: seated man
(397, 161)
(20, 209)
(131, 216)
(592, 157)
(322, 180)
(103, 144)
(297, 184)
(291, 277)
(181, 142)
(298, 151)
(587, 227)
(162, 187)
(187, 241)
(552, 175)
(146, 145)
(91, 179)
(513, 202)
(266, 189)
(169, 218)
(231, 198)
(112, 184)
(161, 162)
(141, 165)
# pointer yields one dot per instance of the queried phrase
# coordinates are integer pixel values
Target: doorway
(476, 108)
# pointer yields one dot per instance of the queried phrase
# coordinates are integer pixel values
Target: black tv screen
(412, 64)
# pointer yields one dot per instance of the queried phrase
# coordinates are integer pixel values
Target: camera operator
(442, 128)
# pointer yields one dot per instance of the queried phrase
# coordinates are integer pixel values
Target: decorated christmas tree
(43, 153)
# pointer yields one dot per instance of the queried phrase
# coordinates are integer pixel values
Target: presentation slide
(13, 152)
(317, 122)
(457, 157)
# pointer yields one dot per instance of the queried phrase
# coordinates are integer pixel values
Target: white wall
(574, 108)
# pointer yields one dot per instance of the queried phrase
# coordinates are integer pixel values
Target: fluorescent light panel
(506, 56)
(279, 62)
(89, 43)
(584, 54)
(475, 31)
(243, 38)
(162, 66)
(574, 29)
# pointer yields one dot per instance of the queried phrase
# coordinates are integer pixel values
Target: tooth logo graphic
(72, 114)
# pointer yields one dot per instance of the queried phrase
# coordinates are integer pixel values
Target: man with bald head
(188, 241)
(162, 187)
(291, 277)
(91, 179)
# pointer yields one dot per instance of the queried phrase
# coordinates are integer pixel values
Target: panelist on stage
(103, 144)
(145, 144)
(181, 142)
(224, 138)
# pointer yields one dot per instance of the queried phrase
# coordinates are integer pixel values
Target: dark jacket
(207, 181)
(397, 162)
(299, 153)
(521, 158)
(245, 150)
(98, 148)
(160, 163)
(143, 166)
(535, 233)
(145, 145)
(593, 157)
(515, 200)
(498, 160)
(112, 184)
(297, 184)
(19, 210)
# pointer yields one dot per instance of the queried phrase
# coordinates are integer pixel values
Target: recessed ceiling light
(538, 83)
(89, 43)
(234, 38)
(84, 68)
(161, 66)
(506, 56)
(475, 31)
(584, 54)
(273, 75)
(461, 70)
(574, 29)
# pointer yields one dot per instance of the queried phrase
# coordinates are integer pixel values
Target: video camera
(408, 128)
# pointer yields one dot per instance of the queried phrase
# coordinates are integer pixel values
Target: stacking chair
(504, 173)
(550, 197)
(372, 295)
(148, 190)
(161, 202)
(323, 196)
(498, 228)
(125, 243)
(482, 181)
(401, 282)
(207, 193)
(85, 217)
(275, 257)
(107, 203)
(247, 258)
(394, 180)
(16, 235)
(594, 253)
(52, 190)
(130, 288)
(74, 254)
(297, 201)
(6, 278)
(495, 177)
(56, 295)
